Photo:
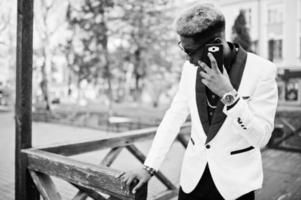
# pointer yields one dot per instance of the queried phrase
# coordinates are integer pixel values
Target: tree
(117, 41)
(45, 44)
(145, 30)
(87, 46)
(240, 31)
(7, 48)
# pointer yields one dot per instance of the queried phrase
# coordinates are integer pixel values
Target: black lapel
(235, 78)
(200, 93)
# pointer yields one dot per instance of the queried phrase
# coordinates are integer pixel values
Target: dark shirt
(212, 98)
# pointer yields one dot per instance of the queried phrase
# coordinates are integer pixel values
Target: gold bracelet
(150, 170)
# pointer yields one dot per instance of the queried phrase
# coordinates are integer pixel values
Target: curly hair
(200, 20)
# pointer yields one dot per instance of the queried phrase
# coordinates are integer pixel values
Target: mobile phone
(217, 51)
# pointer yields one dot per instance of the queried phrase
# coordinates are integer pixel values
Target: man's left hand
(219, 83)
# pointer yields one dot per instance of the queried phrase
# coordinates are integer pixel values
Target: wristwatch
(230, 97)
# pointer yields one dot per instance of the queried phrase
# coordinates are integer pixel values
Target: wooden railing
(90, 179)
(284, 131)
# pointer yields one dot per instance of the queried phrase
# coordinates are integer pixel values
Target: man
(232, 115)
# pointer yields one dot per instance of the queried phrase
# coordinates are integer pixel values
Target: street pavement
(282, 169)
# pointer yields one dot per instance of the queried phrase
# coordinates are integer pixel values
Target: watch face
(229, 99)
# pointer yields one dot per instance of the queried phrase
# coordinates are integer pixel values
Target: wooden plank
(166, 195)
(83, 193)
(282, 175)
(82, 196)
(141, 157)
(83, 174)
(24, 186)
(125, 139)
(182, 139)
(287, 124)
(111, 156)
(94, 144)
(45, 186)
(114, 198)
(141, 194)
(283, 148)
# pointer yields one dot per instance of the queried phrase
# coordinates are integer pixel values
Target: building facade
(275, 30)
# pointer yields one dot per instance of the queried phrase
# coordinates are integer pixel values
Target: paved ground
(282, 169)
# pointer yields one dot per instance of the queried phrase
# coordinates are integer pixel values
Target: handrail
(91, 176)
(124, 139)
(93, 180)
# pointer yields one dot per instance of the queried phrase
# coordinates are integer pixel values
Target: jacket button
(207, 146)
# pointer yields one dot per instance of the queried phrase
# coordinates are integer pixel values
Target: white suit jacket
(232, 144)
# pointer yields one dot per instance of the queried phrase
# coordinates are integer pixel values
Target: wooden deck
(282, 176)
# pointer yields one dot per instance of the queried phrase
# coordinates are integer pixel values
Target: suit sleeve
(170, 126)
(255, 117)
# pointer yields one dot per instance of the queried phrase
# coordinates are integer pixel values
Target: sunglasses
(190, 52)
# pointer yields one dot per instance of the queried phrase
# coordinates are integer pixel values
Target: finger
(119, 175)
(124, 180)
(129, 180)
(204, 75)
(136, 180)
(225, 73)
(205, 82)
(141, 182)
(213, 62)
(204, 66)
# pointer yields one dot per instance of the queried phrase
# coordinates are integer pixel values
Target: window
(291, 91)
(275, 49)
(275, 14)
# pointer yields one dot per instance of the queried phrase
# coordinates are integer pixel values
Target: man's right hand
(138, 177)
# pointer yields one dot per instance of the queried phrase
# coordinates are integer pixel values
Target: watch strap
(232, 105)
